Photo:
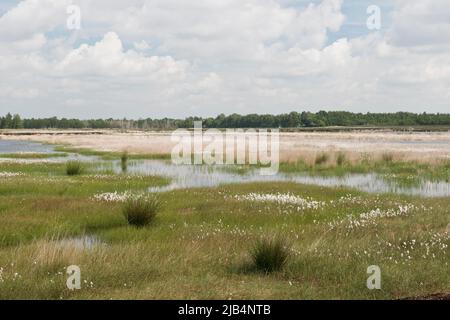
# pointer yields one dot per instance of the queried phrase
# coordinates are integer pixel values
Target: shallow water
(203, 176)
(375, 183)
(81, 243)
(184, 176)
(13, 146)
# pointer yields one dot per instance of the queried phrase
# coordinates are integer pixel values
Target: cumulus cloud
(108, 58)
(421, 23)
(32, 16)
(228, 29)
(178, 58)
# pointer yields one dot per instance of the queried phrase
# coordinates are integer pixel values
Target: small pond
(184, 176)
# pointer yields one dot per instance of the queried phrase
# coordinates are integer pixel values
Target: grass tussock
(321, 159)
(341, 158)
(387, 157)
(73, 168)
(124, 161)
(141, 211)
(46, 216)
(270, 254)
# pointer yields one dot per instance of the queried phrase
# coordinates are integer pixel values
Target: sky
(177, 58)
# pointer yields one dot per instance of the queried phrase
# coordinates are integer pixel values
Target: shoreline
(426, 147)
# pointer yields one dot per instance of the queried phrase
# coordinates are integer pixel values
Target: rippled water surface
(207, 176)
(81, 243)
(12, 146)
(203, 176)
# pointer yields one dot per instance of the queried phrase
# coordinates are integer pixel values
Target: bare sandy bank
(426, 147)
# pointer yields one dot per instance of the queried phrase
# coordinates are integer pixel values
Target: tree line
(287, 120)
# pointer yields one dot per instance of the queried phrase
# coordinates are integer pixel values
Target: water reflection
(204, 176)
(13, 146)
(81, 243)
(16, 146)
(207, 176)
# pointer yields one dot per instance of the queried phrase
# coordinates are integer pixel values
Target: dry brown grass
(52, 254)
(423, 147)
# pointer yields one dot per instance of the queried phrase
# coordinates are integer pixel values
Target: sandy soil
(427, 147)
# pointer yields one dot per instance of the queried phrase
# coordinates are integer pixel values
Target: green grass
(110, 155)
(399, 171)
(197, 246)
(32, 155)
(55, 183)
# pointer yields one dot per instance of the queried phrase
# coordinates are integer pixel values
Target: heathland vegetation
(255, 241)
(273, 240)
(290, 120)
(134, 237)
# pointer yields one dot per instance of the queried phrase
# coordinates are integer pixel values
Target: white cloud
(32, 16)
(296, 62)
(174, 58)
(219, 29)
(141, 45)
(107, 57)
(421, 23)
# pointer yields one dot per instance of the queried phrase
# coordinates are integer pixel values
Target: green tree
(16, 122)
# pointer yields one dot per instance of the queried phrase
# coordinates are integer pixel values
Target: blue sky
(354, 10)
(356, 17)
(156, 58)
(5, 5)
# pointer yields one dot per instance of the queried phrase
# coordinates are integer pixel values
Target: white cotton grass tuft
(11, 174)
(117, 196)
(371, 218)
(282, 199)
(112, 196)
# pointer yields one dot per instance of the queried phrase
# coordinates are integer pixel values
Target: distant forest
(288, 120)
